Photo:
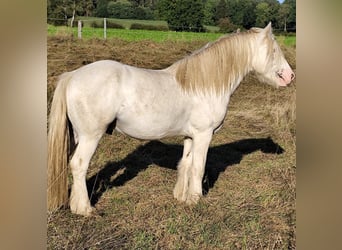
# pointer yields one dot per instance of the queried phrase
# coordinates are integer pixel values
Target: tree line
(183, 15)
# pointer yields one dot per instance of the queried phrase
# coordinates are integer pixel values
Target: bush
(57, 22)
(113, 25)
(120, 9)
(96, 24)
(139, 26)
(226, 26)
(143, 13)
(110, 25)
(183, 15)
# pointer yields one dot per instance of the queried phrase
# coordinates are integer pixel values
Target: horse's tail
(58, 143)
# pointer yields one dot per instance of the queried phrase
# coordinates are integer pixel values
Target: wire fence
(125, 23)
(137, 24)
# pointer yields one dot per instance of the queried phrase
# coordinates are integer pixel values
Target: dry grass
(249, 185)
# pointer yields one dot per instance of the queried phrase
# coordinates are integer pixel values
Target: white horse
(189, 98)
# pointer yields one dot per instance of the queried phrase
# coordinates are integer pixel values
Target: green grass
(133, 35)
(151, 35)
(289, 41)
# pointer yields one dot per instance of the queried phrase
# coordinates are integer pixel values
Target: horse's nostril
(292, 76)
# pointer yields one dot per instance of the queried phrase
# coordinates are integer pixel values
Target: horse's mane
(217, 65)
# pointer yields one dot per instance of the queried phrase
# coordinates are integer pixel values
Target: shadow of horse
(219, 158)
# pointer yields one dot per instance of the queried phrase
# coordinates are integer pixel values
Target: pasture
(132, 35)
(249, 184)
(141, 35)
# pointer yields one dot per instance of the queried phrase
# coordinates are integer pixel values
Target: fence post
(105, 28)
(79, 29)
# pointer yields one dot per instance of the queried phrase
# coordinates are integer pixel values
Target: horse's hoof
(180, 196)
(192, 199)
(85, 211)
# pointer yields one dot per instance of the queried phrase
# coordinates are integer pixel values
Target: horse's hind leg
(79, 200)
(181, 188)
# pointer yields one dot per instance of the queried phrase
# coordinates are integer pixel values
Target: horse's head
(269, 62)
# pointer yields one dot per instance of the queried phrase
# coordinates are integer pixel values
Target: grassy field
(249, 183)
(139, 35)
(132, 35)
(289, 41)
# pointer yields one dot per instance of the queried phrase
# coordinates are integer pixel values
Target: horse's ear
(268, 28)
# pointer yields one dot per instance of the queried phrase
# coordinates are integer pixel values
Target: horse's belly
(146, 130)
(152, 110)
(149, 127)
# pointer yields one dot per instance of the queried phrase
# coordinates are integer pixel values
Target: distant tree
(242, 12)
(291, 20)
(56, 14)
(274, 6)
(221, 10)
(144, 3)
(120, 9)
(209, 12)
(235, 12)
(283, 15)
(164, 9)
(186, 15)
(60, 10)
(88, 7)
(137, 2)
(101, 8)
(263, 14)
(181, 15)
(144, 13)
(248, 19)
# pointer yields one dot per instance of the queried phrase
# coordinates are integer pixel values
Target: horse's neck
(217, 69)
(243, 71)
(238, 65)
(234, 85)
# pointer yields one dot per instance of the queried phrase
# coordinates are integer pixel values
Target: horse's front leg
(199, 155)
(181, 189)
